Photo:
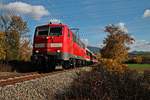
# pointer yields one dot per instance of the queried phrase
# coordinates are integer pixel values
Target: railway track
(11, 80)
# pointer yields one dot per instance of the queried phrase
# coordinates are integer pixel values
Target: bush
(136, 59)
(101, 84)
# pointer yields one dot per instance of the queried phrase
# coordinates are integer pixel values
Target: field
(139, 67)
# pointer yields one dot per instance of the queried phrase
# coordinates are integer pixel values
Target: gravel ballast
(43, 88)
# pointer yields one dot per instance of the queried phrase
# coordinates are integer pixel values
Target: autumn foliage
(12, 30)
(25, 50)
(113, 65)
(137, 59)
(2, 50)
(115, 50)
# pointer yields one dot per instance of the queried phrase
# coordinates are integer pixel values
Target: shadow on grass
(21, 67)
(18, 66)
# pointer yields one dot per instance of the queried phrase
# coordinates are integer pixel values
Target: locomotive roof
(53, 24)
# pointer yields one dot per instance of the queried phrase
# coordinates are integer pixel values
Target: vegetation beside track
(102, 84)
(139, 67)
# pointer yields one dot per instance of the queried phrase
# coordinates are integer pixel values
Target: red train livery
(55, 44)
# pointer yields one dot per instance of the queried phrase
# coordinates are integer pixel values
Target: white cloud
(122, 27)
(140, 45)
(35, 11)
(147, 13)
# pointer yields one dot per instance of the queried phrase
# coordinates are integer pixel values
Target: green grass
(139, 67)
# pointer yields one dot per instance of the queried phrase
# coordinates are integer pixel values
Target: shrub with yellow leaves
(115, 51)
(137, 59)
(113, 65)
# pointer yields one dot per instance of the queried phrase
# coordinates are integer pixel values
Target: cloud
(140, 45)
(146, 13)
(35, 11)
(122, 27)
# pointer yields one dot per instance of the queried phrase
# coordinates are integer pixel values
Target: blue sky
(91, 16)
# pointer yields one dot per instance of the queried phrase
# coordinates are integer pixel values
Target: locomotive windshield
(55, 31)
(49, 31)
(43, 30)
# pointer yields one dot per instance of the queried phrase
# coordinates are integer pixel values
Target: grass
(139, 67)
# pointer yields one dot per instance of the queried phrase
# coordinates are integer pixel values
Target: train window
(42, 30)
(55, 31)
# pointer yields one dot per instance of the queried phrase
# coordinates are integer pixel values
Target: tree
(2, 50)
(115, 46)
(14, 28)
(25, 50)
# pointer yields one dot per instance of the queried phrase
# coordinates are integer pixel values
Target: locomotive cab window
(42, 30)
(55, 31)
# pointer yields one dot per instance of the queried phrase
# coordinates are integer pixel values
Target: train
(56, 44)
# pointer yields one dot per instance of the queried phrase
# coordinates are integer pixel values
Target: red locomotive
(56, 44)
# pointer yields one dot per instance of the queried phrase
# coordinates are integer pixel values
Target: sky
(90, 16)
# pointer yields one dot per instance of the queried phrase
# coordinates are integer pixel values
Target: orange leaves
(137, 59)
(113, 65)
(14, 28)
(115, 44)
(115, 51)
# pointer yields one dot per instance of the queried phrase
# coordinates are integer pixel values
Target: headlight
(39, 45)
(55, 44)
(37, 51)
(58, 51)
